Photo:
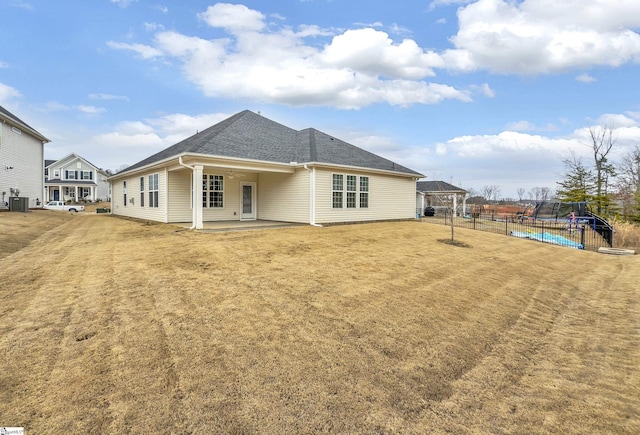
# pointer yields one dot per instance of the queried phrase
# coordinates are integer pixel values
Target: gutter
(193, 223)
(312, 196)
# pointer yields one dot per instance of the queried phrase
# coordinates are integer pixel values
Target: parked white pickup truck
(59, 205)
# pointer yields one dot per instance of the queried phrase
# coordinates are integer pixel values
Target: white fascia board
(360, 169)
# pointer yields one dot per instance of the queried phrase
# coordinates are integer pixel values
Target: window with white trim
(71, 175)
(364, 192)
(85, 192)
(352, 194)
(212, 191)
(56, 173)
(141, 191)
(153, 190)
(352, 189)
(86, 175)
(338, 187)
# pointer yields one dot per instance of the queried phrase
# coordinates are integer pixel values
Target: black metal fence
(583, 233)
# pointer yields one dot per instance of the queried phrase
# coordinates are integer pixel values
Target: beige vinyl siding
(180, 196)
(133, 208)
(390, 197)
(284, 197)
(25, 155)
(231, 198)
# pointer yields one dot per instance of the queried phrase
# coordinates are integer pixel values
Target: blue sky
(472, 92)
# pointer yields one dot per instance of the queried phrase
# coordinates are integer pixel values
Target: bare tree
(628, 184)
(520, 192)
(602, 140)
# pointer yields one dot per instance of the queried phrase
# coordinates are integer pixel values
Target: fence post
(582, 236)
(506, 225)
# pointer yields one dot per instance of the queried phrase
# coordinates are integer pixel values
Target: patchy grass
(112, 326)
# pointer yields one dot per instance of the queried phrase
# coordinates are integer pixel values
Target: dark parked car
(429, 211)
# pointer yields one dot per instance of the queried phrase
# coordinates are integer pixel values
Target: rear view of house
(248, 167)
(21, 161)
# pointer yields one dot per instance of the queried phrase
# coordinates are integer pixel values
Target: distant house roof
(17, 122)
(247, 135)
(435, 187)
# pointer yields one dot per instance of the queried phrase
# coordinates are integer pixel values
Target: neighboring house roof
(71, 157)
(7, 116)
(247, 135)
(435, 187)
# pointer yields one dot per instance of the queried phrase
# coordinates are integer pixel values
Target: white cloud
(22, 5)
(545, 36)
(90, 110)
(153, 27)
(123, 3)
(354, 69)
(483, 89)
(108, 97)
(7, 93)
(141, 139)
(616, 120)
(145, 51)
(585, 78)
(234, 18)
(4, 65)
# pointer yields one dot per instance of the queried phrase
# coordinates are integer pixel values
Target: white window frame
(337, 191)
(141, 191)
(87, 173)
(154, 190)
(213, 191)
(363, 192)
(352, 189)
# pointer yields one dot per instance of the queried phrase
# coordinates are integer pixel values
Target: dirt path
(116, 326)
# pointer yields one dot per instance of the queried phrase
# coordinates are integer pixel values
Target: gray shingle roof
(437, 186)
(247, 135)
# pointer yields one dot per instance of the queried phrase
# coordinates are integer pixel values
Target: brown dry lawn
(118, 326)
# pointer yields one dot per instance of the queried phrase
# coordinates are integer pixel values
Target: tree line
(612, 189)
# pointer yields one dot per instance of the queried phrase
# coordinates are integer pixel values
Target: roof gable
(247, 135)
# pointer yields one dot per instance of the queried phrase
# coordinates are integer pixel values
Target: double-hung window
(212, 191)
(364, 192)
(86, 175)
(338, 187)
(153, 190)
(352, 187)
(354, 193)
(141, 191)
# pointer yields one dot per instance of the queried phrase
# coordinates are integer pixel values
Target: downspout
(312, 196)
(193, 199)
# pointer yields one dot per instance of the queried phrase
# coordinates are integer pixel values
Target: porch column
(455, 204)
(197, 197)
(60, 194)
(76, 190)
(464, 204)
(93, 194)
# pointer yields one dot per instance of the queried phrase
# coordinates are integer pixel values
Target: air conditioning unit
(18, 203)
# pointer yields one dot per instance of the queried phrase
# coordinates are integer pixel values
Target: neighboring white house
(248, 167)
(74, 179)
(21, 160)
